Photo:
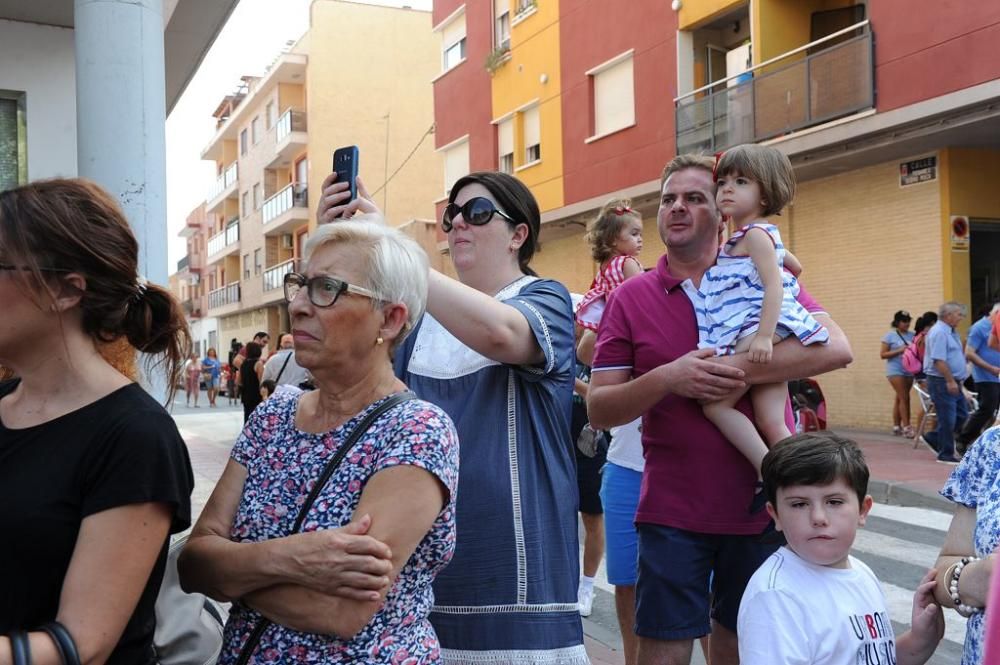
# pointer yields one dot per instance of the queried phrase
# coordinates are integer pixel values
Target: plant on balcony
(525, 6)
(497, 58)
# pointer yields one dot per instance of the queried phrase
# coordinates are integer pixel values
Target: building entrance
(984, 264)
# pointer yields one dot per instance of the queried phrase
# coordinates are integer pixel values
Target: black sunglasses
(477, 211)
(322, 290)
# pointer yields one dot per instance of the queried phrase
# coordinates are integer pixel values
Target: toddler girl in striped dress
(747, 301)
(615, 239)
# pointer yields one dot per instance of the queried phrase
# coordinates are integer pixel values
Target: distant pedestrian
(94, 475)
(281, 368)
(192, 379)
(212, 372)
(261, 339)
(986, 373)
(250, 372)
(944, 365)
(894, 343)
(232, 373)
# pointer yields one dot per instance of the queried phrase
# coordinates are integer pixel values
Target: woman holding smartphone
(495, 352)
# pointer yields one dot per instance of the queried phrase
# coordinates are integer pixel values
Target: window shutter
(614, 98)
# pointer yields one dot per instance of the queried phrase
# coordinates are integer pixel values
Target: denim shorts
(676, 572)
(620, 496)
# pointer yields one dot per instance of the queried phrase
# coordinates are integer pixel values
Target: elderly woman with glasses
(495, 351)
(353, 584)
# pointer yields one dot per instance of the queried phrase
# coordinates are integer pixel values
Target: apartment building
(895, 147)
(190, 288)
(275, 139)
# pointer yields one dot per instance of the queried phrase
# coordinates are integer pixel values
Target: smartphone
(345, 165)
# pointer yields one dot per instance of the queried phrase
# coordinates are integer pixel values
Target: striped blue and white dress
(728, 301)
(508, 597)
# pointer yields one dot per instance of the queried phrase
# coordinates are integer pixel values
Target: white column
(121, 115)
(121, 121)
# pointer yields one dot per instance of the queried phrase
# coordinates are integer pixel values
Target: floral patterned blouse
(283, 463)
(975, 483)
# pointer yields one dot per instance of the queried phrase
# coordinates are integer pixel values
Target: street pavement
(900, 541)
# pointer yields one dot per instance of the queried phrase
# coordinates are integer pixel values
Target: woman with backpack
(894, 345)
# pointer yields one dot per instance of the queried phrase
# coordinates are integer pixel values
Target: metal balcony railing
(228, 177)
(290, 121)
(225, 238)
(832, 77)
(274, 277)
(227, 295)
(292, 195)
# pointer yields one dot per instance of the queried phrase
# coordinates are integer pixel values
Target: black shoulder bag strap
(251, 644)
(281, 371)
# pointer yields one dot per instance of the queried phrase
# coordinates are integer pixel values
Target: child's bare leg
(769, 401)
(737, 428)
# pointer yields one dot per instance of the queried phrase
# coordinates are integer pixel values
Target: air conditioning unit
(287, 241)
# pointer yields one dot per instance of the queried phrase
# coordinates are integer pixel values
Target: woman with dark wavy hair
(495, 351)
(93, 473)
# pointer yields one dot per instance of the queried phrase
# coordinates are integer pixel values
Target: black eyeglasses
(7, 266)
(322, 290)
(476, 211)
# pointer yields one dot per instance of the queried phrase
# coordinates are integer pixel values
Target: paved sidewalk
(901, 474)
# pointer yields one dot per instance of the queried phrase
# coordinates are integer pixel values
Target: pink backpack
(913, 356)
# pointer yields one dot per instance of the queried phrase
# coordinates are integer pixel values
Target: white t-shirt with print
(798, 613)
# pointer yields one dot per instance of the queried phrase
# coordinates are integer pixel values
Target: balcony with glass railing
(290, 138)
(226, 186)
(286, 210)
(225, 242)
(274, 280)
(820, 81)
(228, 298)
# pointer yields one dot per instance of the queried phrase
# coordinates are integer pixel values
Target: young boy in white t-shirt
(811, 602)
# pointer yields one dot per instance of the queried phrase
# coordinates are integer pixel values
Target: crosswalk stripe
(895, 548)
(932, 519)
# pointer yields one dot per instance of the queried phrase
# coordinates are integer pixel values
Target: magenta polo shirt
(694, 478)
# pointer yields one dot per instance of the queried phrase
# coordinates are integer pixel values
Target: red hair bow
(715, 167)
(621, 210)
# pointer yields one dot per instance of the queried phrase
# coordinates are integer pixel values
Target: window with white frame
(258, 196)
(505, 145)
(456, 162)
(271, 116)
(531, 125)
(255, 133)
(453, 42)
(258, 267)
(243, 142)
(524, 6)
(501, 13)
(246, 266)
(245, 200)
(614, 95)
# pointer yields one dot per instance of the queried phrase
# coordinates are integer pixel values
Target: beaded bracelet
(960, 607)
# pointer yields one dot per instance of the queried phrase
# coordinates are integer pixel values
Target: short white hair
(397, 266)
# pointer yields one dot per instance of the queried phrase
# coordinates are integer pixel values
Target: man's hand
(953, 388)
(695, 376)
(335, 203)
(760, 350)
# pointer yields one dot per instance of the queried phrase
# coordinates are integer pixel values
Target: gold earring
(378, 341)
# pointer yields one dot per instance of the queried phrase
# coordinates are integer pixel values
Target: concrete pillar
(121, 121)
(121, 115)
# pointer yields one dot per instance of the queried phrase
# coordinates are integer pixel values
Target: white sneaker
(585, 601)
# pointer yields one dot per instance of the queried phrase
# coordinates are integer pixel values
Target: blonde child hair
(768, 166)
(603, 230)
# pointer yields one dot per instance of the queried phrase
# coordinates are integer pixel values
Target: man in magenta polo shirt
(692, 517)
